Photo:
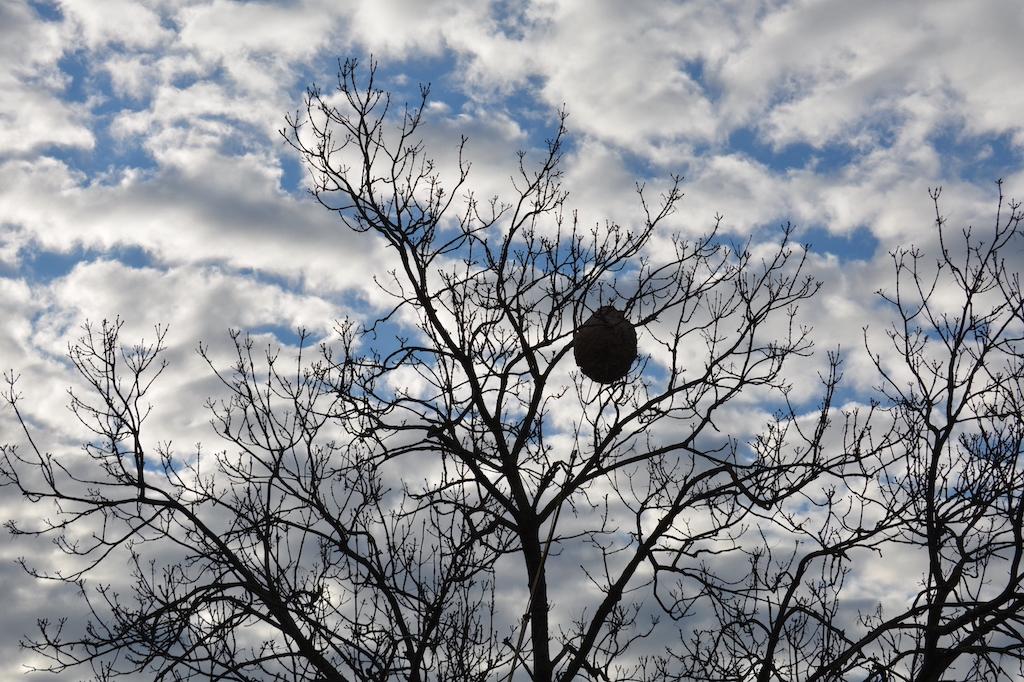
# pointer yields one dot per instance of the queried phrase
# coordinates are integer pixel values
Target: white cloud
(202, 207)
(123, 23)
(32, 113)
(822, 69)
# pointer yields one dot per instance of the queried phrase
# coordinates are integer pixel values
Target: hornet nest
(605, 345)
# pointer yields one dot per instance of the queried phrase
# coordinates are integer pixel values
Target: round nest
(605, 345)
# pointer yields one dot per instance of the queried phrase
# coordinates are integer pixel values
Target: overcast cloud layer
(141, 173)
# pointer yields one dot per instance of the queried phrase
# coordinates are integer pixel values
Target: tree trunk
(936, 662)
(533, 553)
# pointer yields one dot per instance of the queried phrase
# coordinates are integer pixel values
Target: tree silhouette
(943, 486)
(373, 509)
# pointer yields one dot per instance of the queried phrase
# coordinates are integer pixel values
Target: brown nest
(605, 345)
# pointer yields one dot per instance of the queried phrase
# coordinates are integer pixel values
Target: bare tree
(957, 400)
(294, 560)
(307, 554)
(942, 483)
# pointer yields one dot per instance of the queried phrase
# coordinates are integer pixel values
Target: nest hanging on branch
(605, 345)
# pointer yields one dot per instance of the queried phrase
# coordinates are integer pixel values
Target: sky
(142, 174)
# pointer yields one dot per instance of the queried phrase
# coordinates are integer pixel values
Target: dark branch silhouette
(373, 509)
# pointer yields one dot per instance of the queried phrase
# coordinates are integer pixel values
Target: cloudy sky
(142, 174)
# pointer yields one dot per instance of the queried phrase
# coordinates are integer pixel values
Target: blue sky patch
(92, 89)
(48, 10)
(45, 266)
(294, 178)
(860, 244)
(793, 156)
(977, 158)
